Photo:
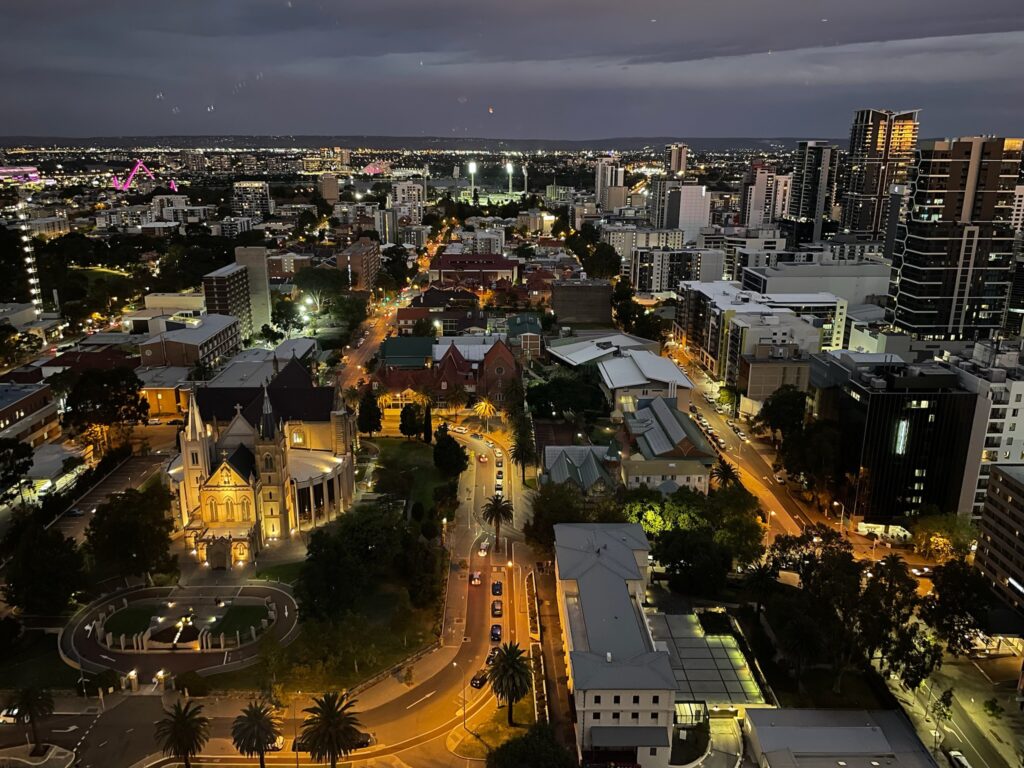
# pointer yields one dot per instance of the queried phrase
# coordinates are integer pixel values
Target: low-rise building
(28, 414)
(459, 266)
(665, 450)
(210, 343)
(582, 301)
(768, 368)
(639, 374)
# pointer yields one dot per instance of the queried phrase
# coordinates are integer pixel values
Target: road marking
(419, 701)
(107, 658)
(69, 729)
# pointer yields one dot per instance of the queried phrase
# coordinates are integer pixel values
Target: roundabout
(154, 633)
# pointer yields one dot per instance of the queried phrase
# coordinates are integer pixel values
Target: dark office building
(953, 257)
(905, 432)
(1000, 553)
(814, 184)
(882, 145)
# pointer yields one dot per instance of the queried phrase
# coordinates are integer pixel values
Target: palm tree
(762, 581)
(331, 729)
(255, 730)
(496, 511)
(184, 731)
(725, 474)
(35, 704)
(523, 450)
(484, 409)
(383, 401)
(510, 676)
(456, 398)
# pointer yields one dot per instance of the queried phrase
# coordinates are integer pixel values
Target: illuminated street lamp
(842, 513)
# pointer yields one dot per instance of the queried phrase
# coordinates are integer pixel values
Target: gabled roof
(242, 461)
(637, 367)
(292, 376)
(660, 430)
(582, 468)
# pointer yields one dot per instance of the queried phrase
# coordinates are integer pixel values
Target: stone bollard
(264, 624)
(253, 630)
(238, 637)
(122, 641)
(109, 639)
(222, 641)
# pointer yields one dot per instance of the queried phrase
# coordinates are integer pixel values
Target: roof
(579, 464)
(210, 327)
(406, 351)
(288, 402)
(818, 737)
(472, 348)
(242, 461)
(628, 736)
(163, 376)
(660, 430)
(638, 367)
(227, 269)
(574, 351)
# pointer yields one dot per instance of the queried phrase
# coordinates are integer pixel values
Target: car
(498, 453)
(75, 512)
(480, 678)
(277, 745)
(497, 588)
(485, 547)
(741, 435)
(10, 715)
(957, 759)
(780, 478)
(153, 422)
(731, 423)
(495, 633)
(476, 578)
(498, 492)
(364, 740)
(477, 436)
(492, 656)
(489, 443)
(499, 463)
(482, 458)
(460, 430)
(497, 609)
(498, 486)
(721, 442)
(693, 408)
(500, 475)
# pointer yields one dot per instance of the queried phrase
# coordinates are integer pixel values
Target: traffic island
(489, 733)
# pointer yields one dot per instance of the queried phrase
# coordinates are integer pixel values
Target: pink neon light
(174, 186)
(139, 166)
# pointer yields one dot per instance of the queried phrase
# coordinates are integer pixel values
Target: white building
(640, 374)
(1017, 214)
(662, 269)
(856, 281)
(622, 685)
(731, 239)
(252, 198)
(607, 173)
(676, 156)
(490, 241)
(163, 205)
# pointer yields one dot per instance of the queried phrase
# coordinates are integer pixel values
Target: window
(268, 462)
(615, 715)
(298, 438)
(655, 699)
(654, 751)
(195, 457)
(597, 715)
(597, 699)
(246, 514)
(211, 511)
(636, 699)
(229, 511)
(634, 715)
(654, 717)
(615, 700)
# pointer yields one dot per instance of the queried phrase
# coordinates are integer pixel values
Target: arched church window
(229, 511)
(268, 462)
(211, 511)
(246, 514)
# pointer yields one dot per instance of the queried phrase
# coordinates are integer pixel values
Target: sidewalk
(55, 758)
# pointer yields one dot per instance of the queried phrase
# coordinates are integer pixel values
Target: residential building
(163, 205)
(664, 449)
(778, 334)
(763, 195)
(232, 226)
(483, 241)
(662, 269)
(226, 291)
(327, 185)
(676, 156)
(882, 144)
(457, 266)
(769, 367)
(593, 469)
(28, 414)
(607, 173)
(953, 258)
(622, 686)
(640, 374)
(283, 267)
(582, 301)
(893, 415)
(361, 261)
(688, 208)
(731, 240)
(210, 343)
(1000, 554)
(813, 193)
(254, 259)
(252, 199)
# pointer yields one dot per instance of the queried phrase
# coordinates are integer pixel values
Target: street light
(842, 513)
(509, 168)
(465, 700)
(472, 176)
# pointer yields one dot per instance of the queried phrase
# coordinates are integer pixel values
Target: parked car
(482, 458)
(495, 633)
(460, 430)
(477, 436)
(496, 588)
(499, 463)
(497, 609)
(480, 678)
(492, 655)
(74, 512)
(277, 746)
(957, 759)
(475, 578)
(780, 478)
(364, 740)
(500, 475)
(498, 453)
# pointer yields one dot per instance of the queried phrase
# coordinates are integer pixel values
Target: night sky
(507, 68)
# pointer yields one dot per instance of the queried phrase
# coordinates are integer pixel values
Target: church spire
(267, 428)
(196, 428)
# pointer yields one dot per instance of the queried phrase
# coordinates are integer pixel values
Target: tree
(537, 748)
(409, 421)
(523, 451)
(762, 580)
(428, 424)
(724, 473)
(944, 537)
(15, 461)
(913, 655)
(510, 677)
(484, 409)
(602, 262)
(44, 571)
(647, 324)
(958, 599)
(255, 730)
(942, 710)
(35, 704)
(450, 457)
(456, 398)
(782, 411)
(797, 629)
(321, 284)
(183, 731)
(130, 534)
(108, 400)
(696, 564)
(889, 598)
(496, 511)
(331, 727)
(269, 335)
(369, 418)
(351, 396)
(551, 504)
(423, 327)
(285, 315)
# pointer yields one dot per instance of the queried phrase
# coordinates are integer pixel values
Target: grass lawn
(286, 572)
(34, 661)
(240, 618)
(488, 734)
(692, 748)
(418, 458)
(130, 620)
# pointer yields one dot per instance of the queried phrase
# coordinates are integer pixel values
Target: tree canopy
(130, 534)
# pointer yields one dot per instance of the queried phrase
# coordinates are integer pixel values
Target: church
(261, 463)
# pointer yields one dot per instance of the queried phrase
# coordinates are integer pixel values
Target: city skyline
(654, 68)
